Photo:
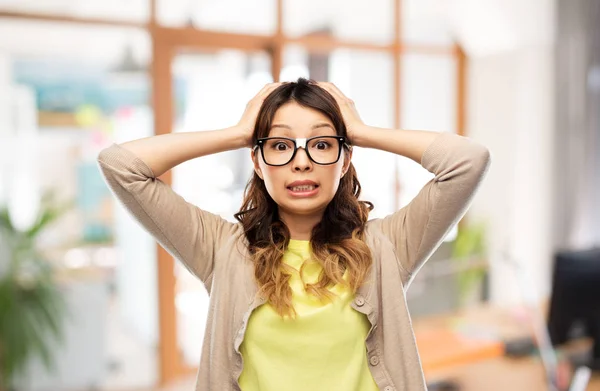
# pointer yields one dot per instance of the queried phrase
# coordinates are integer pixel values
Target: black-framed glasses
(323, 150)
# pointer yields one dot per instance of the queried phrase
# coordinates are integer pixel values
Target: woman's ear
(347, 161)
(254, 158)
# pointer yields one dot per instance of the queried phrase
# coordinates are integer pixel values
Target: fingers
(262, 94)
(262, 90)
(334, 90)
(267, 89)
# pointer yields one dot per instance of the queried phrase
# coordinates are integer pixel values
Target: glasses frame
(301, 143)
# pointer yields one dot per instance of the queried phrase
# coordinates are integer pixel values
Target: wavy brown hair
(337, 241)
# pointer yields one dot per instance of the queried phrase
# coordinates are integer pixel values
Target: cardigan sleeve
(416, 230)
(190, 234)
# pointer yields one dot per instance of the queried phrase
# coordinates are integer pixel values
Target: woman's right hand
(248, 120)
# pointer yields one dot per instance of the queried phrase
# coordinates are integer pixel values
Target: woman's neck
(300, 226)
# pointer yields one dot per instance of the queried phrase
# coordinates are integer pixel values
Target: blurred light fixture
(128, 64)
(128, 72)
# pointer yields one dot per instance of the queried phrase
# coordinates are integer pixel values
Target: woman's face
(294, 121)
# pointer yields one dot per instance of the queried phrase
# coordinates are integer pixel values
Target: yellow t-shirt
(323, 348)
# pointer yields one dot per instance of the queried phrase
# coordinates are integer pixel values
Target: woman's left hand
(354, 124)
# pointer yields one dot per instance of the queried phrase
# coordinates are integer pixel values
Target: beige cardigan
(215, 250)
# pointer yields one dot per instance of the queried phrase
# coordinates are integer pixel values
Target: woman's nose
(301, 161)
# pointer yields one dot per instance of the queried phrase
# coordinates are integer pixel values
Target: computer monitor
(575, 300)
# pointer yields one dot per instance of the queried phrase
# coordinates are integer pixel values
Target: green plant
(469, 252)
(32, 307)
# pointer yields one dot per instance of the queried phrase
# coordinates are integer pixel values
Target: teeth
(303, 188)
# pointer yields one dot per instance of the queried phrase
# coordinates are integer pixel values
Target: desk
(502, 374)
(489, 370)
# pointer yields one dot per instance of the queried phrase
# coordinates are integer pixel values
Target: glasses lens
(324, 150)
(278, 151)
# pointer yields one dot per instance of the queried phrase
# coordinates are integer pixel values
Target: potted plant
(32, 306)
(469, 251)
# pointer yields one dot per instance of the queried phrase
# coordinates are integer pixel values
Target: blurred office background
(521, 77)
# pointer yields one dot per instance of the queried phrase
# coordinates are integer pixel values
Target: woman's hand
(248, 120)
(354, 124)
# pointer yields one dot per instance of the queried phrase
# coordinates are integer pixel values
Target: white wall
(510, 100)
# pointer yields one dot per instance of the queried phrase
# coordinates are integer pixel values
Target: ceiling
(482, 27)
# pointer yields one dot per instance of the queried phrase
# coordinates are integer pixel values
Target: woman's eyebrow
(281, 126)
(322, 125)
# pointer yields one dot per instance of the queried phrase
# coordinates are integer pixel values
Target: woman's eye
(322, 145)
(280, 146)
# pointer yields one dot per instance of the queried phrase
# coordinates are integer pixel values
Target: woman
(306, 293)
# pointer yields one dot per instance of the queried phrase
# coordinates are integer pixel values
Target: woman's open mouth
(303, 190)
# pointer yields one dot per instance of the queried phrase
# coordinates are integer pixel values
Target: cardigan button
(388, 388)
(360, 301)
(374, 360)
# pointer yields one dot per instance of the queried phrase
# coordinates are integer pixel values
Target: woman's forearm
(409, 143)
(162, 153)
